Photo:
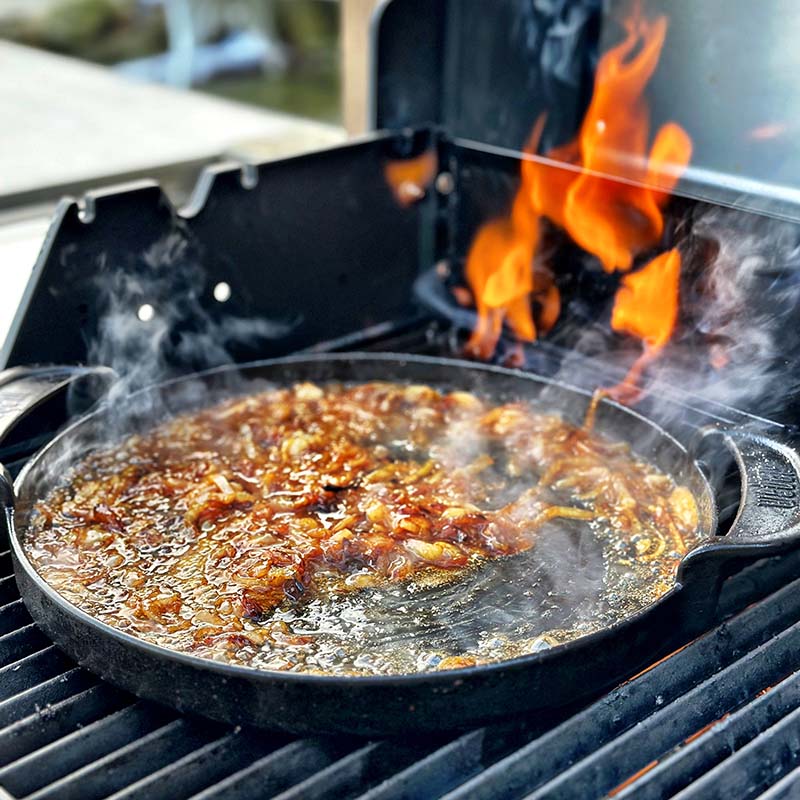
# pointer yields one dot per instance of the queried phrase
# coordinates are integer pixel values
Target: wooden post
(355, 43)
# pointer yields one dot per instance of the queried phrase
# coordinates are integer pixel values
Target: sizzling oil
(367, 529)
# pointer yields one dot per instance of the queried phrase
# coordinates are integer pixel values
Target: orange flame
(646, 306)
(505, 291)
(499, 269)
(613, 219)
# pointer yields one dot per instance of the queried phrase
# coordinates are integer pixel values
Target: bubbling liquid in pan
(369, 529)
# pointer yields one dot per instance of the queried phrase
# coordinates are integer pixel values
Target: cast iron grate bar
(130, 763)
(50, 723)
(455, 761)
(342, 778)
(45, 695)
(720, 739)
(226, 752)
(13, 616)
(756, 582)
(786, 788)
(754, 768)
(20, 643)
(731, 687)
(31, 669)
(278, 771)
(435, 773)
(8, 591)
(85, 744)
(545, 758)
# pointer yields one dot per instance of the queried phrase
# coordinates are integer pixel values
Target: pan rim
(238, 671)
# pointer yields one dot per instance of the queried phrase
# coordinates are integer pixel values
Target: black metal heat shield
(302, 243)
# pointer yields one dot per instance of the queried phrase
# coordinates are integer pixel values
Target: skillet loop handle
(7, 501)
(6, 490)
(769, 505)
(24, 389)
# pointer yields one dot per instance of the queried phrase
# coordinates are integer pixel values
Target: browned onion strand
(208, 534)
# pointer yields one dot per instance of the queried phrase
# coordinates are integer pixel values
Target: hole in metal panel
(222, 292)
(146, 312)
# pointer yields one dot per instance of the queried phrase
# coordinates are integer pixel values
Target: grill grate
(721, 716)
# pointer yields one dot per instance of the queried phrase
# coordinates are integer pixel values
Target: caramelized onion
(225, 532)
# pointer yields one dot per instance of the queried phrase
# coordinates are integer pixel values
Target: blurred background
(261, 60)
(277, 54)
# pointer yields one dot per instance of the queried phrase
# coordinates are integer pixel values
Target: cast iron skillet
(767, 523)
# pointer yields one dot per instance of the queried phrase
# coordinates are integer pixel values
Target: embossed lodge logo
(776, 488)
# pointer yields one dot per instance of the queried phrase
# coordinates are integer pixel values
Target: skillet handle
(24, 389)
(769, 507)
(767, 522)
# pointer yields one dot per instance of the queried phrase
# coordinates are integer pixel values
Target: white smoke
(154, 326)
(737, 343)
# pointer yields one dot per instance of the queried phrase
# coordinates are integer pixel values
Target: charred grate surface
(720, 717)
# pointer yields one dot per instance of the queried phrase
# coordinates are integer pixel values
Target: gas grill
(320, 247)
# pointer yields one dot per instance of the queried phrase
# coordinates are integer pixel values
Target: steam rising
(175, 334)
(736, 341)
(152, 326)
(746, 309)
